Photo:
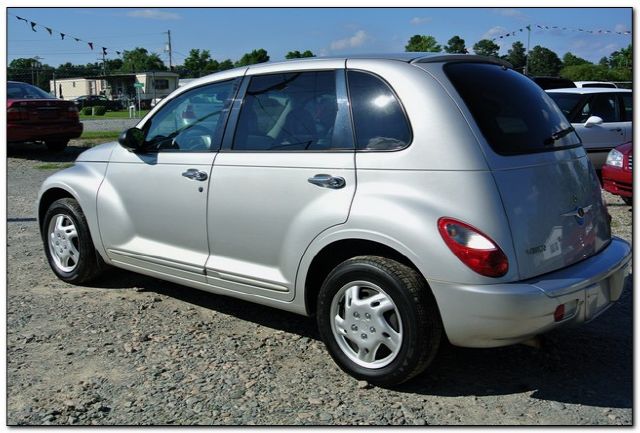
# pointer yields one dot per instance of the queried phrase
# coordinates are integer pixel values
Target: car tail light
(17, 113)
(473, 248)
(72, 112)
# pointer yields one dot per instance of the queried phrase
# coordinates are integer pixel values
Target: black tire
(420, 318)
(89, 264)
(628, 201)
(57, 145)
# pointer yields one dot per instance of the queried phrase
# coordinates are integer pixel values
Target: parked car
(95, 100)
(477, 215)
(553, 82)
(602, 117)
(617, 172)
(35, 115)
(605, 84)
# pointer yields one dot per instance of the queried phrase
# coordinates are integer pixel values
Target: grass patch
(115, 115)
(54, 165)
(90, 135)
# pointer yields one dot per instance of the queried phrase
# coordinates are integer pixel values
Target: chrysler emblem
(578, 213)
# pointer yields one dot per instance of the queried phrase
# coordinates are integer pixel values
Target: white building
(117, 86)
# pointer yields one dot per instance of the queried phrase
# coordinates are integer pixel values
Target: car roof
(589, 90)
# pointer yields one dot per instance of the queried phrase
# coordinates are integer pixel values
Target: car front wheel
(67, 243)
(379, 320)
(57, 145)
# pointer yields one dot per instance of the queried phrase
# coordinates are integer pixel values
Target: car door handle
(327, 181)
(616, 130)
(195, 174)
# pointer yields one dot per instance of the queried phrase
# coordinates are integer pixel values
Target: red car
(617, 176)
(35, 115)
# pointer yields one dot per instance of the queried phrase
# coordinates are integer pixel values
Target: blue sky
(230, 32)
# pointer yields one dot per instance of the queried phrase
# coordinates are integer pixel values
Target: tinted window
(380, 122)
(514, 114)
(26, 91)
(608, 85)
(567, 102)
(603, 105)
(627, 102)
(192, 121)
(292, 112)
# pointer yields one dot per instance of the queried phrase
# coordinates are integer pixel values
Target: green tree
(486, 47)
(198, 63)
(455, 45)
(570, 59)
(543, 61)
(139, 60)
(225, 64)
(517, 56)
(255, 56)
(622, 58)
(591, 72)
(604, 61)
(298, 55)
(423, 43)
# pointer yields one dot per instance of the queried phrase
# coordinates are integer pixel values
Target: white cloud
(494, 31)
(416, 21)
(356, 40)
(510, 12)
(621, 28)
(153, 14)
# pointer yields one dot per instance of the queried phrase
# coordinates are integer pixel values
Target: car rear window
(514, 114)
(26, 91)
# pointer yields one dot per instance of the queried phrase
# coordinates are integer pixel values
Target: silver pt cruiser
(400, 199)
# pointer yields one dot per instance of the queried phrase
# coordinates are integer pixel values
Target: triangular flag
(33, 26)
(118, 52)
(22, 19)
(104, 50)
(90, 45)
(77, 39)
(62, 36)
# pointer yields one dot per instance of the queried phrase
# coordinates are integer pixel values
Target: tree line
(542, 62)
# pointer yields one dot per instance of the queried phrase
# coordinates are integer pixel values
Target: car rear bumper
(617, 181)
(503, 314)
(35, 132)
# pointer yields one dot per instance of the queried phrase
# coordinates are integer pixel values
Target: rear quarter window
(513, 113)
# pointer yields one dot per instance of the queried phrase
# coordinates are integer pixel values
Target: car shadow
(39, 152)
(591, 364)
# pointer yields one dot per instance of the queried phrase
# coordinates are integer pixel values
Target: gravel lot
(109, 124)
(136, 350)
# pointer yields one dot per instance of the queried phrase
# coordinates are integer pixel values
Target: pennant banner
(543, 27)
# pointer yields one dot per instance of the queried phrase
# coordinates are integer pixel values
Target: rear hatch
(41, 111)
(549, 189)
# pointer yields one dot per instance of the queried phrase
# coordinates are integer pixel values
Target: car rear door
(285, 174)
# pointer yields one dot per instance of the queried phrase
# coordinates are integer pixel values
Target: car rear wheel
(628, 201)
(57, 145)
(379, 320)
(67, 243)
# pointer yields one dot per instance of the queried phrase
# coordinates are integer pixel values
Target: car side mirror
(132, 139)
(593, 120)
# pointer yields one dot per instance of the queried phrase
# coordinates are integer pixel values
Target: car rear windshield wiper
(558, 135)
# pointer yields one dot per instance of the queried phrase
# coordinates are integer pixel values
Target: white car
(601, 117)
(606, 84)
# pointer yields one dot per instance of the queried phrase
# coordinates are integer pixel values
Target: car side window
(192, 121)
(603, 105)
(379, 120)
(627, 106)
(292, 112)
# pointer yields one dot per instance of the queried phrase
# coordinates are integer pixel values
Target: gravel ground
(109, 124)
(137, 350)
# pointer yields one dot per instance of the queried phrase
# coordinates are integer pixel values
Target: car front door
(598, 139)
(285, 174)
(152, 204)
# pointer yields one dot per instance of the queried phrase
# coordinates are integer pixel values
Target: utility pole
(526, 61)
(35, 65)
(168, 32)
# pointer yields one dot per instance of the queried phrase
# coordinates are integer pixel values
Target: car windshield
(26, 91)
(514, 114)
(567, 102)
